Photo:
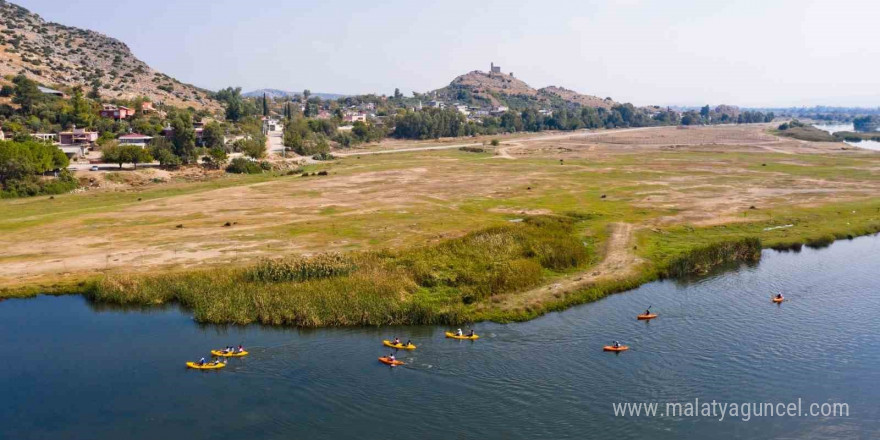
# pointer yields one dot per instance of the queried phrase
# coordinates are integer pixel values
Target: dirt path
(618, 262)
(504, 153)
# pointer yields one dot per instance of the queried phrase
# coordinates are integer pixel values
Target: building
(147, 107)
(355, 117)
(140, 140)
(493, 68)
(2, 136)
(45, 137)
(324, 114)
(116, 112)
(53, 92)
(499, 109)
(168, 133)
(77, 136)
(436, 104)
(463, 109)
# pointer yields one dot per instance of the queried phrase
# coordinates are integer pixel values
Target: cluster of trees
(306, 137)
(38, 112)
(866, 123)
(23, 164)
(434, 123)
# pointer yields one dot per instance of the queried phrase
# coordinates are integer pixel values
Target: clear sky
(667, 52)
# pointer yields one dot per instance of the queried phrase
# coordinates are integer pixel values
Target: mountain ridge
(278, 93)
(63, 56)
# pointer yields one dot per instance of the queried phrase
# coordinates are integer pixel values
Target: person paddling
(471, 333)
(202, 361)
(240, 348)
(458, 333)
(408, 343)
(396, 340)
(779, 296)
(616, 344)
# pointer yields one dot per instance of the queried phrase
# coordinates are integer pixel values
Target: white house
(137, 139)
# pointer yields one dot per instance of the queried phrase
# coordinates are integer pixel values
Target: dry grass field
(656, 179)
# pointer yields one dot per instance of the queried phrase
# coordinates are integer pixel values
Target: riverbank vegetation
(426, 285)
(798, 130)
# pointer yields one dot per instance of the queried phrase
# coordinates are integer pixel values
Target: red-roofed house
(116, 112)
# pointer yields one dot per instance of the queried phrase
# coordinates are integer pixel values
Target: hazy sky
(750, 53)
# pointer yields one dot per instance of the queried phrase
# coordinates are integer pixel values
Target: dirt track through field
(618, 261)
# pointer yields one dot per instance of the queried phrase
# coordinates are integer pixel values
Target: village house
(499, 110)
(77, 136)
(45, 137)
(436, 104)
(53, 92)
(463, 109)
(147, 107)
(136, 139)
(324, 114)
(76, 142)
(355, 117)
(116, 112)
(168, 133)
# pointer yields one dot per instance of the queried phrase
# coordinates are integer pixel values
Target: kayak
(778, 300)
(399, 346)
(208, 366)
(454, 336)
(646, 316)
(225, 354)
(387, 361)
(612, 348)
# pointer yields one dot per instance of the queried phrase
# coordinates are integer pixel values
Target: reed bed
(427, 285)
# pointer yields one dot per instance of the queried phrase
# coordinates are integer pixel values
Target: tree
(26, 94)
(218, 156)
(253, 148)
(306, 94)
(213, 135)
(397, 94)
(95, 91)
(122, 154)
(265, 105)
(82, 111)
(184, 137)
(704, 112)
(161, 150)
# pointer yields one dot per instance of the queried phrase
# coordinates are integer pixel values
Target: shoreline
(698, 261)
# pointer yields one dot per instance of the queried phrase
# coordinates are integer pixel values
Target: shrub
(241, 165)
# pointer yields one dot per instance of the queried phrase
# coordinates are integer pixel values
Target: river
(833, 127)
(72, 369)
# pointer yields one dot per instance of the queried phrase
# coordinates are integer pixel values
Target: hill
(482, 88)
(62, 57)
(276, 93)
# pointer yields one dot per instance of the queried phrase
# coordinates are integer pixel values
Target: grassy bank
(428, 285)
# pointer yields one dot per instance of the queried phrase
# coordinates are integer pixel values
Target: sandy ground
(700, 176)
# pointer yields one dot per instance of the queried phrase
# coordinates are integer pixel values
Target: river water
(841, 126)
(75, 370)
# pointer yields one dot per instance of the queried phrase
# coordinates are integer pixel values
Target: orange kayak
(387, 361)
(646, 316)
(778, 300)
(613, 348)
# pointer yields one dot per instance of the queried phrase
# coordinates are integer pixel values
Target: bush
(241, 165)
(495, 142)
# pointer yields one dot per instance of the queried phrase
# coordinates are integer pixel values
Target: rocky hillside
(503, 89)
(62, 57)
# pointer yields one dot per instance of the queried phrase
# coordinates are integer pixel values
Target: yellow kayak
(227, 354)
(208, 366)
(454, 336)
(399, 346)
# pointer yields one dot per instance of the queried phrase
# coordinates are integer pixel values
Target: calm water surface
(834, 127)
(75, 370)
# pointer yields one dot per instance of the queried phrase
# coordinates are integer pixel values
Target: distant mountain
(503, 89)
(276, 93)
(62, 57)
